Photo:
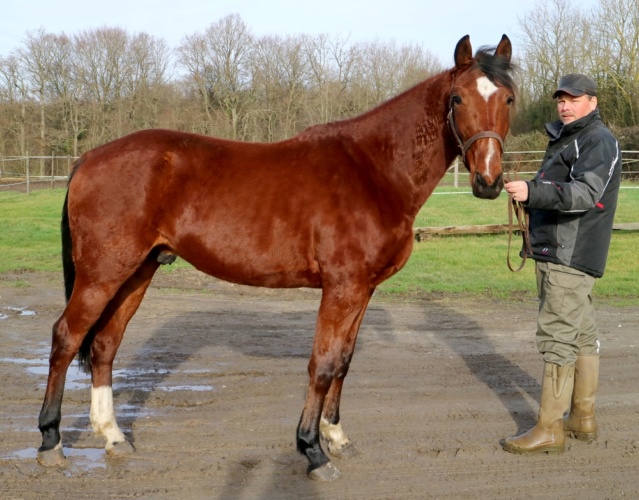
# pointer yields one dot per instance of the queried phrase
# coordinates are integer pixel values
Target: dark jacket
(573, 198)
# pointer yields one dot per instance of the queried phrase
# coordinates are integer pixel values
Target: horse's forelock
(496, 68)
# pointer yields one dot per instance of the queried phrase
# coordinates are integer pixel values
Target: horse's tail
(68, 267)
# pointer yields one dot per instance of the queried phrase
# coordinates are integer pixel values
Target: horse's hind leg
(82, 314)
(109, 332)
(83, 310)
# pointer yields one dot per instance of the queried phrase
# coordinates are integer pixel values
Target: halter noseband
(464, 146)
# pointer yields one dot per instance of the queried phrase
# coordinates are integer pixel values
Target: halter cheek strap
(464, 146)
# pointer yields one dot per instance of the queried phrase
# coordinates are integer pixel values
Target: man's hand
(518, 190)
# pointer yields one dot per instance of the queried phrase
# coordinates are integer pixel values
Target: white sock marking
(334, 434)
(103, 416)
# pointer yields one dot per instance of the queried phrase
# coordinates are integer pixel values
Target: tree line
(65, 94)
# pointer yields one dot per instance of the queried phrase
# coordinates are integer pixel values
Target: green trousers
(566, 324)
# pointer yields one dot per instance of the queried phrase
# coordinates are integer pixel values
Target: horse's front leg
(340, 314)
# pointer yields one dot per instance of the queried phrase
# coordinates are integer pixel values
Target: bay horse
(331, 208)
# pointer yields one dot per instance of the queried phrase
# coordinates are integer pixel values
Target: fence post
(26, 160)
(456, 173)
(52, 168)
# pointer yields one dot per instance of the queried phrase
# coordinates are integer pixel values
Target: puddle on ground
(195, 388)
(29, 423)
(141, 379)
(76, 379)
(79, 458)
(8, 312)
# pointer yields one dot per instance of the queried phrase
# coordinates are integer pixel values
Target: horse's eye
(510, 100)
(456, 100)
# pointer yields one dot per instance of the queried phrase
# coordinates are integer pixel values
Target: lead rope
(517, 207)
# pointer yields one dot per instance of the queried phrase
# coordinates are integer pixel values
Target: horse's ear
(463, 52)
(504, 49)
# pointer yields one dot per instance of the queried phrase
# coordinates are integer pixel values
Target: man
(571, 202)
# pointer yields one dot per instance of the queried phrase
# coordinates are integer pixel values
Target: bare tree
(385, 69)
(217, 63)
(102, 66)
(331, 61)
(554, 41)
(36, 59)
(615, 53)
(280, 84)
(14, 94)
(148, 64)
(61, 88)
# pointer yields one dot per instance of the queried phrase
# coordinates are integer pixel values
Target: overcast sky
(433, 25)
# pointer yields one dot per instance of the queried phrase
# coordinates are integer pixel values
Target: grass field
(474, 265)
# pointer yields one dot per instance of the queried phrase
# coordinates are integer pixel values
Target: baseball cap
(576, 85)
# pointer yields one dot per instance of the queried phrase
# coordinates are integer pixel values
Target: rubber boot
(547, 436)
(580, 423)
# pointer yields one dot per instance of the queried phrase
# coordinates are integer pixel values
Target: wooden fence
(423, 233)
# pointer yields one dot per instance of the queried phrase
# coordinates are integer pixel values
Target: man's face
(571, 108)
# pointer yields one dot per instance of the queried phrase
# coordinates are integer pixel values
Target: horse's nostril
(479, 179)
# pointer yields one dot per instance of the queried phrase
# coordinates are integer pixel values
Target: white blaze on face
(486, 88)
(489, 155)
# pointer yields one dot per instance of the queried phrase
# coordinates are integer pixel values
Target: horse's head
(480, 100)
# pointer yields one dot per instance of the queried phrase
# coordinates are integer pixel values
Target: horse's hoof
(327, 472)
(52, 458)
(347, 451)
(120, 449)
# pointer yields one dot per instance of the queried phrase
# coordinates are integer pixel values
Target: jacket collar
(556, 129)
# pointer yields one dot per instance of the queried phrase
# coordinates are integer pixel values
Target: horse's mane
(496, 68)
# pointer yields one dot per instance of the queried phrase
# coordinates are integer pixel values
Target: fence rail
(424, 233)
(22, 173)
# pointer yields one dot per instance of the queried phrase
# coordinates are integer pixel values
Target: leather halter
(465, 146)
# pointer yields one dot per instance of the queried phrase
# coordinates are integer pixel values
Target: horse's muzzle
(481, 188)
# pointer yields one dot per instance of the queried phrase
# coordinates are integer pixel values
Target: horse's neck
(407, 139)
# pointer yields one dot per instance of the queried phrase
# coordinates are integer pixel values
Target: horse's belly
(247, 265)
(249, 275)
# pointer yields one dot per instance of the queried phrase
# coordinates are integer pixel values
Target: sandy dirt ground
(211, 377)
